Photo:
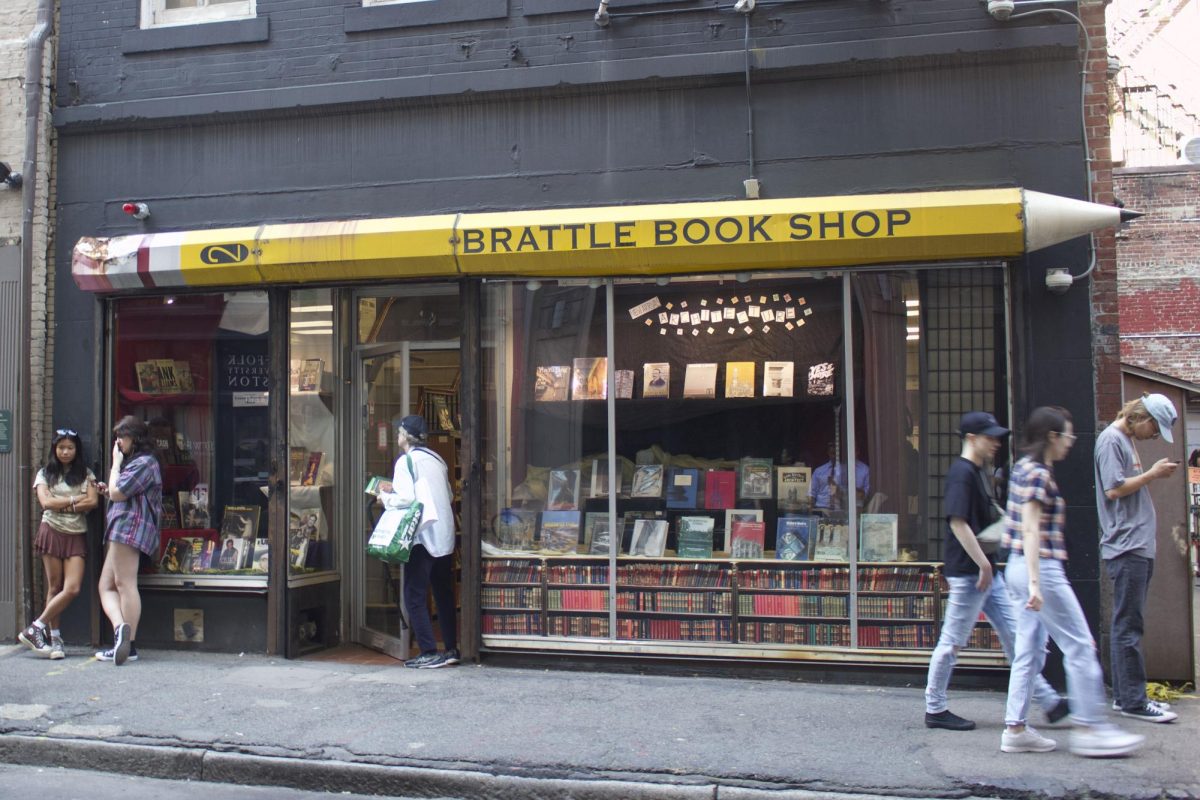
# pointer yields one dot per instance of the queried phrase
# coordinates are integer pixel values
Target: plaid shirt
(135, 521)
(1034, 481)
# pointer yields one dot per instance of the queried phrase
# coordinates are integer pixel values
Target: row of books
(920, 635)
(894, 579)
(791, 605)
(888, 607)
(587, 379)
(506, 624)
(164, 376)
(512, 571)
(699, 575)
(674, 602)
(590, 626)
(528, 597)
(688, 487)
(810, 578)
(675, 630)
(197, 554)
(818, 634)
(577, 573)
(577, 600)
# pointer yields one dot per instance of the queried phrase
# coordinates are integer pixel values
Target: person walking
(134, 515)
(66, 491)
(975, 585)
(421, 474)
(1037, 582)
(1128, 529)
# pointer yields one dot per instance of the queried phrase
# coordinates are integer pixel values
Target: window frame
(154, 13)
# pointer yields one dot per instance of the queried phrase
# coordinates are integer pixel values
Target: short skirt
(51, 542)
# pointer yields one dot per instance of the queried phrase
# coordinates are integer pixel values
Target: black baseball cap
(414, 425)
(981, 422)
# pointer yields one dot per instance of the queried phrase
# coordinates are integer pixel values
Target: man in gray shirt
(1128, 526)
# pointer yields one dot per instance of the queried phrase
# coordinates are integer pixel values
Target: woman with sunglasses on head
(66, 491)
(1037, 582)
(134, 515)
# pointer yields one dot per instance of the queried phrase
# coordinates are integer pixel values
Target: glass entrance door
(405, 365)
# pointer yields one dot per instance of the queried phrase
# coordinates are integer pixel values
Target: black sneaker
(122, 642)
(1059, 712)
(451, 657)
(34, 637)
(425, 660)
(949, 721)
(110, 654)
(1151, 712)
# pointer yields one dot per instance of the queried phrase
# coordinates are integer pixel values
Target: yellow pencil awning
(663, 239)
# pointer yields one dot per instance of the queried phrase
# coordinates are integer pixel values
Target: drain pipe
(35, 55)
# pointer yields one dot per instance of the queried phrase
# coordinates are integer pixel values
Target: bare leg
(70, 579)
(118, 586)
(54, 584)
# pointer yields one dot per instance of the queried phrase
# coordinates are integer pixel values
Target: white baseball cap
(1163, 411)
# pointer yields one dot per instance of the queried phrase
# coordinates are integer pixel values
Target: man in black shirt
(975, 586)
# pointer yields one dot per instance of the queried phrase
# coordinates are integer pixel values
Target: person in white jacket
(421, 474)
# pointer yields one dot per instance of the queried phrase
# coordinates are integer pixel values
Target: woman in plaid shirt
(1039, 586)
(134, 515)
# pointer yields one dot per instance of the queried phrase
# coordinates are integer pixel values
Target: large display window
(733, 462)
(196, 368)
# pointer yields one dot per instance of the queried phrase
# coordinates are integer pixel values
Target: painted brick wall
(1159, 267)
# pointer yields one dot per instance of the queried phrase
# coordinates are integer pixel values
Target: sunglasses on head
(65, 432)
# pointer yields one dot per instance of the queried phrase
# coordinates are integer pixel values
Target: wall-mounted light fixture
(9, 178)
(602, 14)
(742, 277)
(595, 283)
(533, 285)
(136, 210)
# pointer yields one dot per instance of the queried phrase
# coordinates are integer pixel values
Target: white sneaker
(1105, 742)
(1027, 741)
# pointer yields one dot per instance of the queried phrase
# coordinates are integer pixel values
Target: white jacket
(432, 488)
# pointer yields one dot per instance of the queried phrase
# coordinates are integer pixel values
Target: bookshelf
(734, 602)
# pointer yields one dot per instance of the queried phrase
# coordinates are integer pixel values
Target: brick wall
(1105, 322)
(1159, 269)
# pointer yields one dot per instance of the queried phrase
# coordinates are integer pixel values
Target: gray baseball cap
(1163, 410)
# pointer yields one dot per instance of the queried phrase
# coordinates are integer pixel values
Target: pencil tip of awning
(1127, 215)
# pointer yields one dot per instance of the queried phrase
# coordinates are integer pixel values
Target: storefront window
(312, 440)
(766, 492)
(196, 368)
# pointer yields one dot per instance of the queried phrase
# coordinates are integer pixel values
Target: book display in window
(512, 596)
(597, 533)
(240, 523)
(599, 477)
(682, 487)
(898, 606)
(794, 537)
(739, 379)
(170, 513)
(552, 384)
(624, 380)
(562, 493)
(647, 481)
(778, 378)
(656, 380)
(674, 601)
(589, 379)
(736, 515)
(754, 479)
(559, 531)
(700, 381)
(695, 537)
(833, 540)
(747, 539)
(877, 537)
(515, 529)
(310, 375)
(720, 488)
(312, 469)
(792, 486)
(193, 507)
(649, 537)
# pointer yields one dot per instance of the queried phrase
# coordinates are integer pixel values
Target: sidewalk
(485, 731)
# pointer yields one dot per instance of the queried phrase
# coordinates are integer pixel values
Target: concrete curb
(203, 764)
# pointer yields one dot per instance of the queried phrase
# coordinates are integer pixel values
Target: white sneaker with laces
(1027, 741)
(1108, 741)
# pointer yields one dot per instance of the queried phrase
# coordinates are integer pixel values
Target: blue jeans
(421, 573)
(1062, 617)
(1131, 579)
(962, 612)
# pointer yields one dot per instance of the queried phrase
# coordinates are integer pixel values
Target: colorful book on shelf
(203, 552)
(747, 539)
(597, 533)
(170, 513)
(147, 377)
(310, 375)
(312, 469)
(176, 556)
(624, 380)
(514, 530)
(183, 450)
(720, 488)
(559, 532)
(656, 379)
(694, 538)
(304, 527)
(877, 538)
(373, 484)
(168, 381)
(735, 515)
(259, 562)
(230, 555)
(778, 378)
(647, 481)
(833, 540)
(794, 537)
(649, 537)
(589, 379)
(754, 479)
(183, 376)
(193, 508)
(682, 487)
(551, 384)
(739, 379)
(792, 486)
(562, 491)
(297, 459)
(700, 381)
(240, 522)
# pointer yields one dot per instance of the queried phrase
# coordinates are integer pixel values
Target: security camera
(1058, 280)
(1001, 9)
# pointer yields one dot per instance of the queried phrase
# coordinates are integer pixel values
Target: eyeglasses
(65, 432)
(1070, 437)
